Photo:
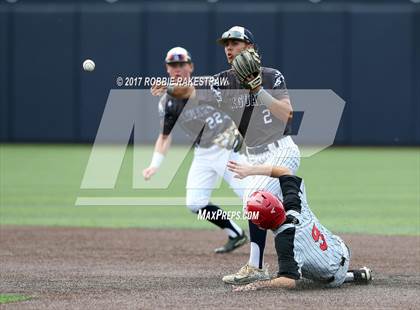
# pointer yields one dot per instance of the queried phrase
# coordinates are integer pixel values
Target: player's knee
(196, 204)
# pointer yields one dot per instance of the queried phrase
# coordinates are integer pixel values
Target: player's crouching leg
(217, 216)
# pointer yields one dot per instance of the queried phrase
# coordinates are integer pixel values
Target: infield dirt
(75, 268)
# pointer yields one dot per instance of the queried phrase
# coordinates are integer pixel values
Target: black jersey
(253, 119)
(201, 123)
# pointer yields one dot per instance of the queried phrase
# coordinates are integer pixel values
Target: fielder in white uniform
(214, 136)
(305, 248)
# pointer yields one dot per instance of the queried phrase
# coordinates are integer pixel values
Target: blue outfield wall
(369, 54)
(4, 79)
(416, 76)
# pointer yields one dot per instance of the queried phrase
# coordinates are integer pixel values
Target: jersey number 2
(316, 234)
(267, 116)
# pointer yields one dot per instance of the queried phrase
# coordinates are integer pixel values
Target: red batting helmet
(271, 213)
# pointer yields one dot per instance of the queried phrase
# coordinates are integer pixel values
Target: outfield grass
(358, 190)
(7, 298)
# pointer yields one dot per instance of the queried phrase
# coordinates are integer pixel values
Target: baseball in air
(88, 65)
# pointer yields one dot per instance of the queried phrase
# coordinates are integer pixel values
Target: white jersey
(315, 252)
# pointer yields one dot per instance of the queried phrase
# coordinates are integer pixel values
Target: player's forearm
(281, 109)
(181, 92)
(282, 282)
(161, 148)
(278, 171)
(271, 171)
(163, 144)
(260, 170)
(279, 283)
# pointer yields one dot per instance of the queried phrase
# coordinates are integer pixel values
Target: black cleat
(363, 275)
(232, 244)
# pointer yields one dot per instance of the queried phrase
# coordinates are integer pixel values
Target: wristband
(264, 97)
(157, 159)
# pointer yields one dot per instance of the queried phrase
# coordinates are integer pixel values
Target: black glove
(247, 68)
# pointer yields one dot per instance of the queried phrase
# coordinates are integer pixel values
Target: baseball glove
(247, 68)
(230, 139)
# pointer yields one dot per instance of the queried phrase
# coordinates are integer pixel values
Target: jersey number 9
(317, 235)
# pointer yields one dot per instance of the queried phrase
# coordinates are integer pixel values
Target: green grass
(6, 298)
(357, 190)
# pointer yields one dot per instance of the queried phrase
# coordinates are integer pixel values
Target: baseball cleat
(247, 274)
(363, 275)
(232, 244)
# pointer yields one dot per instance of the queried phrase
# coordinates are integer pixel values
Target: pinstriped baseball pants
(286, 154)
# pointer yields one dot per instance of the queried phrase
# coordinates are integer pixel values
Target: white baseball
(88, 65)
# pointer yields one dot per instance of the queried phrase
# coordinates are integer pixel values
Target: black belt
(254, 150)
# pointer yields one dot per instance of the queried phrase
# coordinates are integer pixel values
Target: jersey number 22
(213, 120)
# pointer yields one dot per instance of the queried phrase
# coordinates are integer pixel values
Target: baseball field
(56, 255)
